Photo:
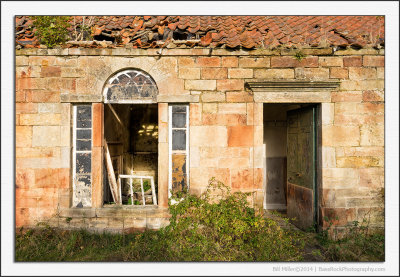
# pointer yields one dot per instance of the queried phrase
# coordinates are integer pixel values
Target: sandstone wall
(226, 121)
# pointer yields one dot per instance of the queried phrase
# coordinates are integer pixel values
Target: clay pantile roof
(248, 32)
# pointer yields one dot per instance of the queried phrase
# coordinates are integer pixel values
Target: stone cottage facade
(289, 109)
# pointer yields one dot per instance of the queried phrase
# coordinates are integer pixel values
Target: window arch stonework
(130, 86)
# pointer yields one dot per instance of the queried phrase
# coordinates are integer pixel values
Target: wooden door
(301, 167)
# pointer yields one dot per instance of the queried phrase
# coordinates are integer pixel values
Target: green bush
(217, 226)
(51, 30)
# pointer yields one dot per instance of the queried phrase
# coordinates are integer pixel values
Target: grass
(217, 226)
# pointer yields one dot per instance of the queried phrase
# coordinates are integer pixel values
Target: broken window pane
(178, 139)
(130, 85)
(178, 120)
(83, 162)
(179, 176)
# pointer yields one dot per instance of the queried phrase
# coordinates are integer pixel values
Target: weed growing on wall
(299, 56)
(51, 30)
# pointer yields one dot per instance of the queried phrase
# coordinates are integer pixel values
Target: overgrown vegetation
(51, 30)
(299, 56)
(217, 226)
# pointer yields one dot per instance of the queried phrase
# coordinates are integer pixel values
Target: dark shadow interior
(131, 133)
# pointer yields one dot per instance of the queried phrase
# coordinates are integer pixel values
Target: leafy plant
(51, 30)
(299, 56)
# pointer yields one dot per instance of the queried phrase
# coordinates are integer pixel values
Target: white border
(388, 8)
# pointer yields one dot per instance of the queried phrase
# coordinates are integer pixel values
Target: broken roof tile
(230, 31)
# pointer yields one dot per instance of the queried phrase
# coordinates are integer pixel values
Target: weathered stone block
(346, 96)
(40, 119)
(37, 96)
(362, 73)
(194, 156)
(373, 96)
(49, 108)
(328, 113)
(380, 72)
(24, 178)
(200, 84)
(340, 135)
(352, 61)
(372, 178)
(312, 73)
(41, 152)
(209, 61)
(223, 119)
(373, 61)
(23, 136)
(29, 108)
(331, 61)
(229, 61)
(254, 62)
(186, 62)
(372, 135)
(230, 84)
(338, 73)
(50, 71)
(46, 136)
(20, 96)
(358, 162)
(287, 61)
(240, 136)
(210, 107)
(328, 157)
(195, 114)
(189, 73)
(72, 72)
(232, 108)
(21, 60)
(274, 73)
(340, 178)
(213, 97)
(240, 73)
(208, 136)
(362, 85)
(238, 96)
(214, 73)
(338, 216)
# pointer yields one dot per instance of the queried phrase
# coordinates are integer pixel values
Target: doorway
(291, 139)
(131, 149)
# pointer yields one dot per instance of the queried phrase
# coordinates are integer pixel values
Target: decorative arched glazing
(130, 86)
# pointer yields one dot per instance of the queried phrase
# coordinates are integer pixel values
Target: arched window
(130, 86)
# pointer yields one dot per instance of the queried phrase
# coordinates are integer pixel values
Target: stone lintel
(178, 98)
(291, 85)
(70, 98)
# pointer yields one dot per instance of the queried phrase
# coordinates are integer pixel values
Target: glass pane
(178, 109)
(83, 134)
(179, 177)
(178, 120)
(178, 139)
(83, 145)
(83, 116)
(83, 163)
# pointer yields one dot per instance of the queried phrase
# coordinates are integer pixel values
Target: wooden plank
(141, 186)
(111, 175)
(116, 116)
(153, 191)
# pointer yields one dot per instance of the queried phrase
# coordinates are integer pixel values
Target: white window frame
(74, 151)
(170, 151)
